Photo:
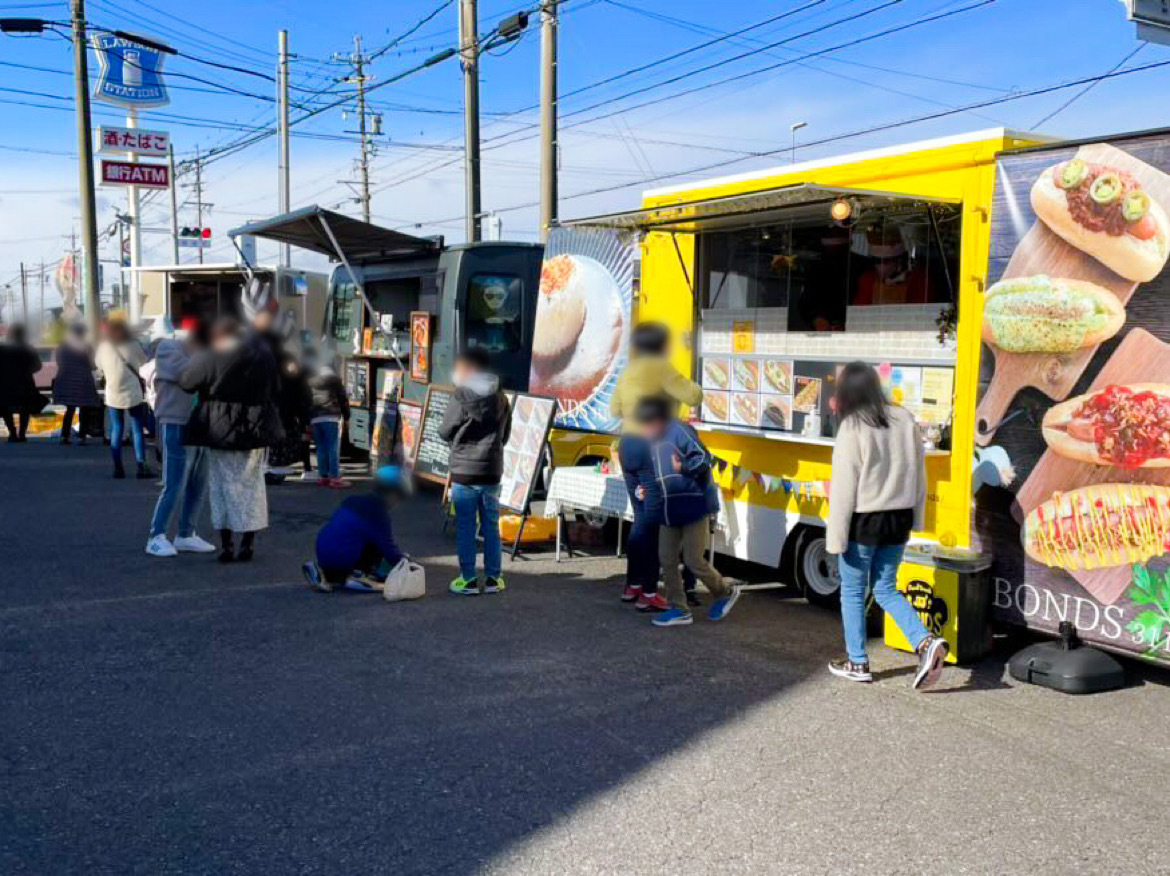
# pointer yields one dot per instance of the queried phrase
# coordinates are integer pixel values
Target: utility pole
(360, 62)
(41, 318)
(199, 200)
(93, 314)
(469, 59)
(24, 294)
(548, 117)
(282, 187)
(174, 207)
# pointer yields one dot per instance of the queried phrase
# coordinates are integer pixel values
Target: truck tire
(816, 569)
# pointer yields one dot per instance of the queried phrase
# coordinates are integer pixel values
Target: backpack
(146, 375)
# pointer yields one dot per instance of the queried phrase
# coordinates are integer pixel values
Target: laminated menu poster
(580, 340)
(532, 419)
(747, 391)
(409, 427)
(433, 454)
(1072, 464)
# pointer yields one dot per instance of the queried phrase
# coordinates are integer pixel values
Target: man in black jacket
(476, 424)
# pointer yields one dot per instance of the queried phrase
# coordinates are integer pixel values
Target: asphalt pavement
(179, 716)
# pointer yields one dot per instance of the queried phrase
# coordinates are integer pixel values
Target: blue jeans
(861, 567)
(327, 437)
(482, 502)
(137, 417)
(184, 477)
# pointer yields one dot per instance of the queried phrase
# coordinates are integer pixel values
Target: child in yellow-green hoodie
(649, 375)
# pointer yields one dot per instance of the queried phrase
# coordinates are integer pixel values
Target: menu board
(357, 378)
(532, 418)
(409, 425)
(384, 434)
(420, 346)
(1072, 464)
(755, 392)
(433, 454)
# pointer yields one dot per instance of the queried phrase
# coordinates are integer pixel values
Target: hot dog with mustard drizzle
(1100, 526)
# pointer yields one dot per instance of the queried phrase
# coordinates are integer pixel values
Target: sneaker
(630, 593)
(363, 583)
(720, 608)
(340, 484)
(494, 585)
(652, 602)
(193, 544)
(309, 477)
(312, 573)
(462, 587)
(325, 482)
(931, 655)
(160, 546)
(673, 617)
(850, 671)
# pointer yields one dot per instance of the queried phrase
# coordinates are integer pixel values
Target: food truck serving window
(788, 296)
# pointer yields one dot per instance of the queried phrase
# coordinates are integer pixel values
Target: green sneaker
(494, 585)
(462, 587)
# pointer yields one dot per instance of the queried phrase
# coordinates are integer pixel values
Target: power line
(1086, 89)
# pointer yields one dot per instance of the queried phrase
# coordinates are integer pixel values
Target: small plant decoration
(948, 324)
(1152, 625)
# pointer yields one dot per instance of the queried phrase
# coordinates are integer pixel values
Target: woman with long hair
(876, 497)
(120, 357)
(235, 417)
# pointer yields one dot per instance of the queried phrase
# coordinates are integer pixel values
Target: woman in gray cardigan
(876, 496)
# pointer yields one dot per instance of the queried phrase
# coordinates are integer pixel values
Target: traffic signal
(195, 237)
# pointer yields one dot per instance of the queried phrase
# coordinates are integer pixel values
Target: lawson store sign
(131, 74)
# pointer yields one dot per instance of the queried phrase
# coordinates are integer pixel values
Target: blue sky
(986, 53)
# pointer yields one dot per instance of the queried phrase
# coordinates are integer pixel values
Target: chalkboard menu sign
(432, 459)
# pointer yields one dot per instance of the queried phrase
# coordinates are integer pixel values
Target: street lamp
(793, 129)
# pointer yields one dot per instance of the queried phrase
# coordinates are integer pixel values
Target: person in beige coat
(876, 496)
(119, 358)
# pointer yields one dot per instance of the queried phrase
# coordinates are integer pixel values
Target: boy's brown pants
(693, 541)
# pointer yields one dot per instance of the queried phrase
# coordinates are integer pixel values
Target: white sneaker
(160, 546)
(310, 477)
(193, 544)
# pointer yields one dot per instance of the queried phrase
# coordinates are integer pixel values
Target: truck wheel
(816, 569)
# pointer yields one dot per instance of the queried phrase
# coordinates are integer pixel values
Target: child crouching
(680, 486)
(356, 547)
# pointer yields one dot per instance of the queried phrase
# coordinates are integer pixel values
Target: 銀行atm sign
(137, 141)
(129, 173)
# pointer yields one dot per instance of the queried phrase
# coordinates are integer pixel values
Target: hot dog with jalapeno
(1124, 426)
(1104, 212)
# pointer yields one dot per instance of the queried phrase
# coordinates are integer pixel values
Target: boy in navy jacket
(677, 486)
(356, 547)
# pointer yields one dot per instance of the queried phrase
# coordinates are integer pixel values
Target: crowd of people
(226, 401)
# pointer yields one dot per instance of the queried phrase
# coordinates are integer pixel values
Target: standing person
(19, 363)
(876, 496)
(74, 386)
(649, 375)
(119, 358)
(236, 419)
(294, 403)
(679, 494)
(476, 424)
(184, 472)
(328, 414)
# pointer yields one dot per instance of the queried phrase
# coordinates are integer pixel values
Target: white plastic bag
(407, 580)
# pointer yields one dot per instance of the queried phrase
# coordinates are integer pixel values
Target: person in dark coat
(18, 387)
(476, 424)
(74, 386)
(328, 416)
(236, 419)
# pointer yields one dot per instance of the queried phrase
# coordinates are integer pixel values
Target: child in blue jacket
(356, 547)
(678, 489)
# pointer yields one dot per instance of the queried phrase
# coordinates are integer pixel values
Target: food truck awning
(340, 237)
(748, 209)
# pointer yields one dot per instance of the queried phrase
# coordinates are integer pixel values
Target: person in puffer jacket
(676, 484)
(476, 424)
(328, 414)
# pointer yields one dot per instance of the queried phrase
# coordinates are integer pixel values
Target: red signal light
(206, 233)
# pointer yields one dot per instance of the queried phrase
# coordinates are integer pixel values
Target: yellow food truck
(772, 280)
